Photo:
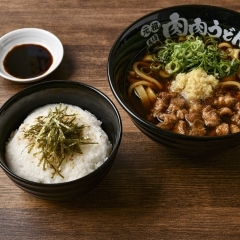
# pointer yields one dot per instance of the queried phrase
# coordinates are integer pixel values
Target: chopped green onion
(194, 52)
(56, 136)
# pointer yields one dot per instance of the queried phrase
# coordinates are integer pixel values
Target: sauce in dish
(27, 61)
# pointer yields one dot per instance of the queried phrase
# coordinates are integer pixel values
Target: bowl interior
(30, 36)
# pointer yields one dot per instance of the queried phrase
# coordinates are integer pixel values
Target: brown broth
(166, 82)
(27, 61)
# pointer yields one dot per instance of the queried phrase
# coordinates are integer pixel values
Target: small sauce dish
(29, 54)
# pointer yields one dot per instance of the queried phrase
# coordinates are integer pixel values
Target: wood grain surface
(150, 192)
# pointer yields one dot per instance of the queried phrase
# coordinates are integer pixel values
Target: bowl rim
(54, 84)
(57, 61)
(125, 105)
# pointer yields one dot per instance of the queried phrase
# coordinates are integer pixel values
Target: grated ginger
(194, 85)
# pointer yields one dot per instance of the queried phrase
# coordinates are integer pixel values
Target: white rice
(25, 165)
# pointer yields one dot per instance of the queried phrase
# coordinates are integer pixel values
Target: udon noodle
(188, 85)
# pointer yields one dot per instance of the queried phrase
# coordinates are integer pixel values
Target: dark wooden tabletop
(150, 192)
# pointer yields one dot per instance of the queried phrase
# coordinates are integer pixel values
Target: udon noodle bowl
(188, 84)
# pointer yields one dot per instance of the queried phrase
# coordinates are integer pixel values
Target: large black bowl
(177, 20)
(16, 109)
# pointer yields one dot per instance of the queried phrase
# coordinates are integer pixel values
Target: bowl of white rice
(59, 139)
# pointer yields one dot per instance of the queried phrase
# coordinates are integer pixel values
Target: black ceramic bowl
(161, 24)
(16, 109)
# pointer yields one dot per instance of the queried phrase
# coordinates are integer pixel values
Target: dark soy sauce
(27, 61)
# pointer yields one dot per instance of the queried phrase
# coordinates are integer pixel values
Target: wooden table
(150, 192)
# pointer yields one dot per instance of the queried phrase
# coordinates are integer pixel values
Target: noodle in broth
(189, 86)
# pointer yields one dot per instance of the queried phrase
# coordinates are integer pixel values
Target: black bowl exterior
(188, 145)
(16, 109)
(178, 20)
(64, 191)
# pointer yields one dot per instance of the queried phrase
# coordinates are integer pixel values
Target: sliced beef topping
(225, 111)
(236, 119)
(195, 106)
(218, 115)
(176, 104)
(192, 117)
(225, 101)
(222, 129)
(211, 116)
(197, 128)
(159, 107)
(180, 127)
(234, 128)
(180, 114)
